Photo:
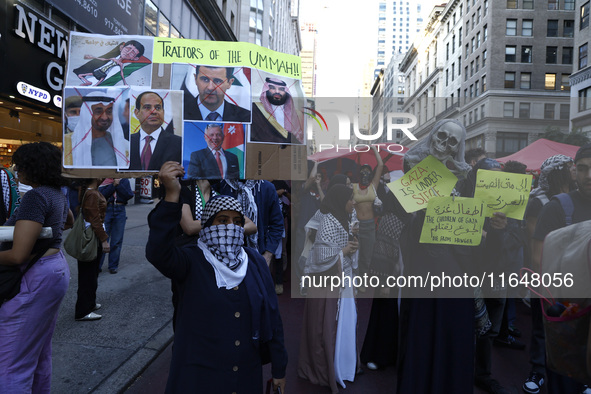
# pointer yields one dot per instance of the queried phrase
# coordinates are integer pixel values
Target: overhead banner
(206, 104)
(503, 192)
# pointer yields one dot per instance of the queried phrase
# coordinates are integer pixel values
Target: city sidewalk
(106, 355)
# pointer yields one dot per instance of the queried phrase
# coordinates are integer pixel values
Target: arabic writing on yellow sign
(428, 179)
(225, 53)
(503, 192)
(453, 221)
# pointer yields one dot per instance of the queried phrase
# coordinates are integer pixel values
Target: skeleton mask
(446, 141)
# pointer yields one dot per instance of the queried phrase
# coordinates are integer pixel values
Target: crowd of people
(226, 244)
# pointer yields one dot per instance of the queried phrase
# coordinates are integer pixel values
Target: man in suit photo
(211, 103)
(152, 145)
(213, 162)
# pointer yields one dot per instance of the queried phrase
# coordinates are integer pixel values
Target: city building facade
(580, 79)
(500, 67)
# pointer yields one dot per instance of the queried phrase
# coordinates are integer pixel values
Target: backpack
(567, 254)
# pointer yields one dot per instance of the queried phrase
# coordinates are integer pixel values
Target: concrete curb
(120, 380)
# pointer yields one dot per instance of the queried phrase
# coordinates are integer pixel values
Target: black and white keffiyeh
(330, 240)
(553, 163)
(218, 204)
(222, 248)
(245, 196)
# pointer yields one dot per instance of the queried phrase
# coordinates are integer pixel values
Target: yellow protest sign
(428, 179)
(503, 192)
(453, 221)
(226, 53)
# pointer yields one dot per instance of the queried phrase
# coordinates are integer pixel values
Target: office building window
(564, 111)
(478, 40)
(510, 53)
(525, 81)
(550, 81)
(569, 5)
(568, 28)
(527, 27)
(552, 5)
(473, 44)
(482, 111)
(477, 63)
(584, 99)
(567, 55)
(466, 74)
(508, 143)
(484, 33)
(476, 90)
(484, 84)
(446, 77)
(472, 68)
(583, 56)
(511, 28)
(511, 4)
(551, 55)
(584, 16)
(528, 4)
(484, 53)
(509, 80)
(549, 111)
(508, 110)
(552, 28)
(524, 110)
(526, 54)
(565, 82)
(453, 71)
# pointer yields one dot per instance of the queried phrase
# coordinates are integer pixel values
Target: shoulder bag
(81, 242)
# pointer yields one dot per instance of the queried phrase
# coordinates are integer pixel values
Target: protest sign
(428, 179)
(200, 83)
(503, 192)
(453, 221)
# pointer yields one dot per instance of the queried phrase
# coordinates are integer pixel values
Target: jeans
(115, 219)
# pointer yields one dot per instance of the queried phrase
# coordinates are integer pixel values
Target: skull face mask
(446, 141)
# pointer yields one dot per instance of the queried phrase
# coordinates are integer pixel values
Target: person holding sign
(364, 194)
(211, 104)
(227, 311)
(436, 334)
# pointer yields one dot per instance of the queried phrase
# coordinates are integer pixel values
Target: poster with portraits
(132, 103)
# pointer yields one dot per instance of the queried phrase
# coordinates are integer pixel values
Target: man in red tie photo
(213, 162)
(152, 145)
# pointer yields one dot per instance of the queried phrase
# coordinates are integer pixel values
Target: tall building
(398, 24)
(506, 94)
(580, 109)
(270, 23)
(308, 54)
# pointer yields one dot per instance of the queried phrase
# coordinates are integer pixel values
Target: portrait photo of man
(214, 94)
(100, 62)
(214, 162)
(154, 140)
(97, 140)
(278, 116)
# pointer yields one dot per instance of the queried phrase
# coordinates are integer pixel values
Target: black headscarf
(338, 179)
(335, 202)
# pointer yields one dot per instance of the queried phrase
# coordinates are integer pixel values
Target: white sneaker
(372, 366)
(90, 316)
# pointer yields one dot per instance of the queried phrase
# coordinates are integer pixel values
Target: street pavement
(106, 355)
(129, 349)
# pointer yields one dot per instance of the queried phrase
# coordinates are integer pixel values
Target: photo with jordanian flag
(213, 150)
